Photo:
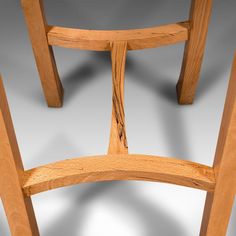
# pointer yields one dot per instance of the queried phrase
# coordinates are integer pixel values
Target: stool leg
(36, 22)
(219, 204)
(118, 142)
(218, 209)
(194, 50)
(18, 207)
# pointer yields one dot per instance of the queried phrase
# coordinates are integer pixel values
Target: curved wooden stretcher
(17, 185)
(43, 37)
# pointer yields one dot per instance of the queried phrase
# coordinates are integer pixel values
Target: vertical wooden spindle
(118, 142)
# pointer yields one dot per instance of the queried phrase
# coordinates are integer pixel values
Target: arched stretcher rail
(118, 167)
(100, 40)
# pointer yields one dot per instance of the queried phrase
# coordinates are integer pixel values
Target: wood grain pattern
(118, 167)
(18, 207)
(219, 204)
(100, 40)
(34, 15)
(194, 50)
(118, 141)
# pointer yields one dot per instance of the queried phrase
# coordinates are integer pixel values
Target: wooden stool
(17, 185)
(43, 37)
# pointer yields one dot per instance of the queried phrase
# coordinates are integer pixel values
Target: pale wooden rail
(100, 40)
(118, 167)
(193, 31)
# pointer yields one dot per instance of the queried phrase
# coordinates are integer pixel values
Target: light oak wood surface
(118, 167)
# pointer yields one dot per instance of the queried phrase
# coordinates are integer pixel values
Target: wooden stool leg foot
(52, 87)
(194, 51)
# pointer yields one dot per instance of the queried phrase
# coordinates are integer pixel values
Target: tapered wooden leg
(118, 141)
(36, 22)
(18, 207)
(219, 204)
(194, 50)
(217, 213)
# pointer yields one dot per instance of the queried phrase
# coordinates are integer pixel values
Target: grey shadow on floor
(169, 110)
(152, 220)
(4, 230)
(86, 73)
(121, 14)
(232, 228)
(59, 147)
